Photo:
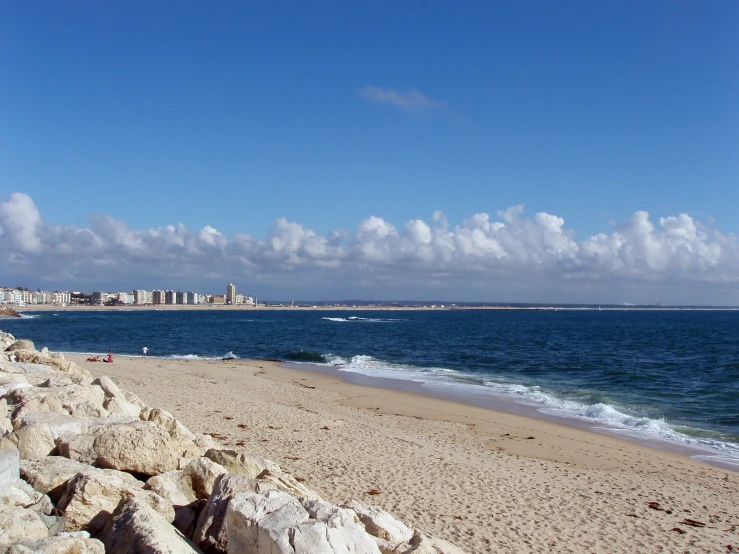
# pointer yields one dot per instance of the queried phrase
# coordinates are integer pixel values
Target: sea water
(671, 376)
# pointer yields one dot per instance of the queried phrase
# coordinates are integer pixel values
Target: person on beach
(144, 350)
(109, 359)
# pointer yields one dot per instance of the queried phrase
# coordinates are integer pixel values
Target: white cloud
(474, 259)
(409, 100)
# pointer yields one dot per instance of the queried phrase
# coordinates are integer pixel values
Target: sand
(484, 480)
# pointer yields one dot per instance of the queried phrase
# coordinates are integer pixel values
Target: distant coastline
(368, 307)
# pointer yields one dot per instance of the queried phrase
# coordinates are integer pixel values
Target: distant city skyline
(500, 152)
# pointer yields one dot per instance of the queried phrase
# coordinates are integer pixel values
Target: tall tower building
(230, 294)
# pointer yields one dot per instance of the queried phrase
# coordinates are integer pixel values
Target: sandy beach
(485, 480)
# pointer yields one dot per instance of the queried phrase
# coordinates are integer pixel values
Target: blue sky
(232, 114)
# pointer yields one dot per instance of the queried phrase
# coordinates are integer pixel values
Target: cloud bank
(504, 257)
(409, 100)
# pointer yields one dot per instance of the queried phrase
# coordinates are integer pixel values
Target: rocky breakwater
(7, 311)
(86, 467)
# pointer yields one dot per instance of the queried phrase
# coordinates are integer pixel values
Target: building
(98, 298)
(218, 299)
(193, 298)
(158, 297)
(141, 297)
(230, 294)
(170, 297)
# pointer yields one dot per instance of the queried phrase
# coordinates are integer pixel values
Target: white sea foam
(353, 319)
(29, 316)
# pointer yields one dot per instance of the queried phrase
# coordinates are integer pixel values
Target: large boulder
(155, 449)
(136, 527)
(50, 475)
(92, 495)
(60, 425)
(23, 344)
(35, 441)
(211, 531)
(55, 545)
(278, 523)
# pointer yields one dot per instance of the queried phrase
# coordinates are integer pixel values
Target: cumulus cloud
(475, 258)
(409, 100)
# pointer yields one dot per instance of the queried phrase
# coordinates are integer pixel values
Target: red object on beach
(92, 359)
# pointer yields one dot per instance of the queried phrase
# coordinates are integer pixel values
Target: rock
(239, 463)
(9, 468)
(380, 524)
(288, 483)
(50, 475)
(93, 494)
(121, 406)
(23, 344)
(18, 523)
(156, 449)
(60, 425)
(202, 474)
(211, 531)
(135, 527)
(109, 387)
(423, 543)
(23, 495)
(177, 488)
(166, 420)
(278, 523)
(55, 545)
(205, 443)
(35, 441)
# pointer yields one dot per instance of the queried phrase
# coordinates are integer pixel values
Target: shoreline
(486, 480)
(433, 308)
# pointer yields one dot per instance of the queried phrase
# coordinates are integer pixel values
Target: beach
(485, 480)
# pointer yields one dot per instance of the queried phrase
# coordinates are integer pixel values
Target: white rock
(156, 449)
(202, 473)
(50, 475)
(241, 464)
(121, 406)
(109, 387)
(135, 528)
(174, 486)
(278, 523)
(378, 523)
(93, 494)
(166, 420)
(211, 531)
(423, 543)
(35, 441)
(56, 545)
(286, 482)
(18, 523)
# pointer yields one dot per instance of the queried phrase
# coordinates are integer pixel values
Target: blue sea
(670, 376)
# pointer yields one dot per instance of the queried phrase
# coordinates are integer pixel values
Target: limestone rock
(174, 486)
(166, 420)
(60, 425)
(380, 524)
(211, 531)
(135, 527)
(23, 344)
(50, 475)
(56, 545)
(109, 387)
(241, 464)
(156, 449)
(202, 473)
(288, 483)
(92, 495)
(18, 523)
(23, 495)
(121, 406)
(35, 441)
(423, 543)
(278, 523)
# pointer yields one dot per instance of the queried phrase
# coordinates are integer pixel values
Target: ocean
(655, 375)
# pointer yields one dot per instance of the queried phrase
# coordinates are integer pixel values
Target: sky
(538, 151)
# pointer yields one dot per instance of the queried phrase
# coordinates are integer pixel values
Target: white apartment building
(231, 294)
(193, 298)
